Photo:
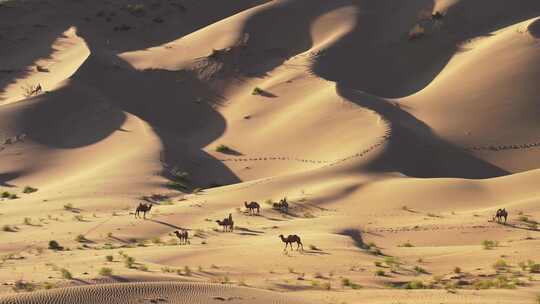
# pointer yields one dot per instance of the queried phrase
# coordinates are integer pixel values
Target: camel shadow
(166, 224)
(517, 226)
(255, 232)
(314, 252)
(356, 236)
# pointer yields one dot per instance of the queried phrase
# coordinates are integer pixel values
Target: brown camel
(282, 206)
(501, 213)
(182, 236)
(252, 206)
(292, 238)
(144, 208)
(227, 224)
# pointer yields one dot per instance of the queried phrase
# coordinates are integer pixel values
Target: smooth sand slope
(394, 154)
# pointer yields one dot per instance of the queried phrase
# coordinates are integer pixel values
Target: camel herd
(255, 208)
(228, 224)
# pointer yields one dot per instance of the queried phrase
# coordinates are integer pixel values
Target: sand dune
(393, 150)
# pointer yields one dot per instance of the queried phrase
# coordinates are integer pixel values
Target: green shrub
(23, 286)
(414, 285)
(136, 9)
(109, 258)
(129, 261)
(500, 264)
(488, 244)
(345, 282)
(105, 271)
(257, 91)
(53, 245)
(223, 149)
(29, 190)
(534, 267)
(8, 228)
(66, 274)
(419, 269)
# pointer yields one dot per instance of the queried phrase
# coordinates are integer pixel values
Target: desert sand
(394, 129)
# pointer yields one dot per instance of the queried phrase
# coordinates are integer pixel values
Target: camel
(182, 236)
(227, 224)
(292, 238)
(144, 208)
(252, 206)
(500, 214)
(283, 206)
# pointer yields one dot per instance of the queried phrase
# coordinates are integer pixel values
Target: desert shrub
(109, 258)
(414, 285)
(380, 273)
(143, 267)
(257, 91)
(407, 244)
(8, 195)
(68, 206)
(457, 270)
(176, 186)
(53, 245)
(187, 271)
(23, 286)
(8, 228)
(136, 9)
(47, 285)
(534, 268)
(223, 149)
(30, 90)
(488, 244)
(78, 218)
(179, 174)
(105, 271)
(27, 221)
(375, 251)
(377, 264)
(80, 238)
(326, 286)
(345, 282)
(66, 274)
(29, 189)
(129, 261)
(419, 269)
(500, 264)
(416, 32)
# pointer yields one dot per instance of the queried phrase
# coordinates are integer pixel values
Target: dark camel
(144, 208)
(501, 213)
(282, 206)
(182, 236)
(252, 206)
(292, 238)
(227, 224)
